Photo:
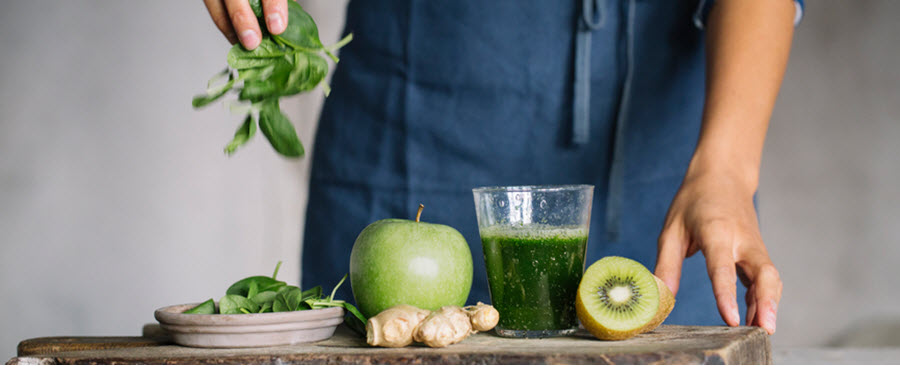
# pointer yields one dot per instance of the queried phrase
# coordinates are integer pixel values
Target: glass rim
(534, 188)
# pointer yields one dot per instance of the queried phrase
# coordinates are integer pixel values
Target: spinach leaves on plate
(282, 65)
(263, 294)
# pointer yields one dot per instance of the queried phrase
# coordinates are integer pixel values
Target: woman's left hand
(714, 213)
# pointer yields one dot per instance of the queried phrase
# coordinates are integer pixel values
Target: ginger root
(400, 325)
(484, 317)
(446, 326)
(394, 327)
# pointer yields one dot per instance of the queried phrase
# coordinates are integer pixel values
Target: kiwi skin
(666, 304)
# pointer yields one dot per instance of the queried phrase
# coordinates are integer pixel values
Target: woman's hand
(714, 213)
(747, 46)
(237, 22)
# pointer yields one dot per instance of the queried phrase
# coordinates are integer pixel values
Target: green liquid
(533, 273)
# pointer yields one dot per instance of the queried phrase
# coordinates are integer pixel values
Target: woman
(433, 98)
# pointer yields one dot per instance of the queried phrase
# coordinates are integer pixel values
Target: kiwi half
(619, 298)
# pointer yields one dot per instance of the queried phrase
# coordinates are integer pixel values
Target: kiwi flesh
(619, 298)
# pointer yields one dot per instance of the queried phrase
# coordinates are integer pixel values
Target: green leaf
(313, 293)
(356, 322)
(282, 65)
(264, 297)
(256, 5)
(279, 131)
(286, 299)
(279, 305)
(204, 99)
(274, 286)
(292, 298)
(232, 304)
(263, 283)
(256, 90)
(207, 307)
(254, 289)
(219, 77)
(266, 308)
(241, 136)
(309, 70)
(353, 310)
(318, 69)
(301, 32)
(266, 54)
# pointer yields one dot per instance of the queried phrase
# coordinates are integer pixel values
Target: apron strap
(592, 17)
(615, 195)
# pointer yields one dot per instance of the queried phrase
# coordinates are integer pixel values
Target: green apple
(397, 261)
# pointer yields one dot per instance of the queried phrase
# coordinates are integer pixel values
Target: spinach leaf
(263, 283)
(355, 320)
(282, 65)
(313, 293)
(264, 55)
(353, 310)
(233, 304)
(263, 294)
(256, 5)
(291, 297)
(202, 100)
(279, 131)
(207, 307)
(257, 90)
(253, 290)
(264, 297)
(301, 32)
(242, 135)
(266, 308)
(281, 303)
(310, 69)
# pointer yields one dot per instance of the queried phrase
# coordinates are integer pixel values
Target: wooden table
(668, 344)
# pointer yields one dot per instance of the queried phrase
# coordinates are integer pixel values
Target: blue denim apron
(434, 98)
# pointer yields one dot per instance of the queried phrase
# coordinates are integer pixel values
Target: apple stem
(419, 214)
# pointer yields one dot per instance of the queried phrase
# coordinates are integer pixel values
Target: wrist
(724, 166)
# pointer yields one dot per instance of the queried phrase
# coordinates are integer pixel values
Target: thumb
(670, 256)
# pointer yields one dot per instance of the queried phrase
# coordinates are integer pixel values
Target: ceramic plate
(248, 330)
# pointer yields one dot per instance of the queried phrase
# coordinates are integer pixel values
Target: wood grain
(666, 345)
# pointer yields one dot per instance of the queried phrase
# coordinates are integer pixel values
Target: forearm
(747, 47)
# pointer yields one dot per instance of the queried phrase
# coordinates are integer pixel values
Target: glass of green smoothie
(534, 240)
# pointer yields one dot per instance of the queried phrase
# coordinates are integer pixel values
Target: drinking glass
(534, 240)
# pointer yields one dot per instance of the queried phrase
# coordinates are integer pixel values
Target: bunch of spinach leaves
(262, 294)
(285, 64)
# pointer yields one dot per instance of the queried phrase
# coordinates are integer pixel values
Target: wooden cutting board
(670, 344)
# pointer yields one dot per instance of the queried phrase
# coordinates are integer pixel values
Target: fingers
(275, 12)
(720, 266)
(244, 22)
(750, 298)
(766, 293)
(219, 15)
(670, 256)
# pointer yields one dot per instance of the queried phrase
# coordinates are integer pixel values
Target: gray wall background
(115, 198)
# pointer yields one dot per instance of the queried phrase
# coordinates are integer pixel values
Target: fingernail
(275, 23)
(249, 39)
(735, 315)
(770, 320)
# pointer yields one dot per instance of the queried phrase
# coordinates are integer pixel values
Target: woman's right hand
(237, 22)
